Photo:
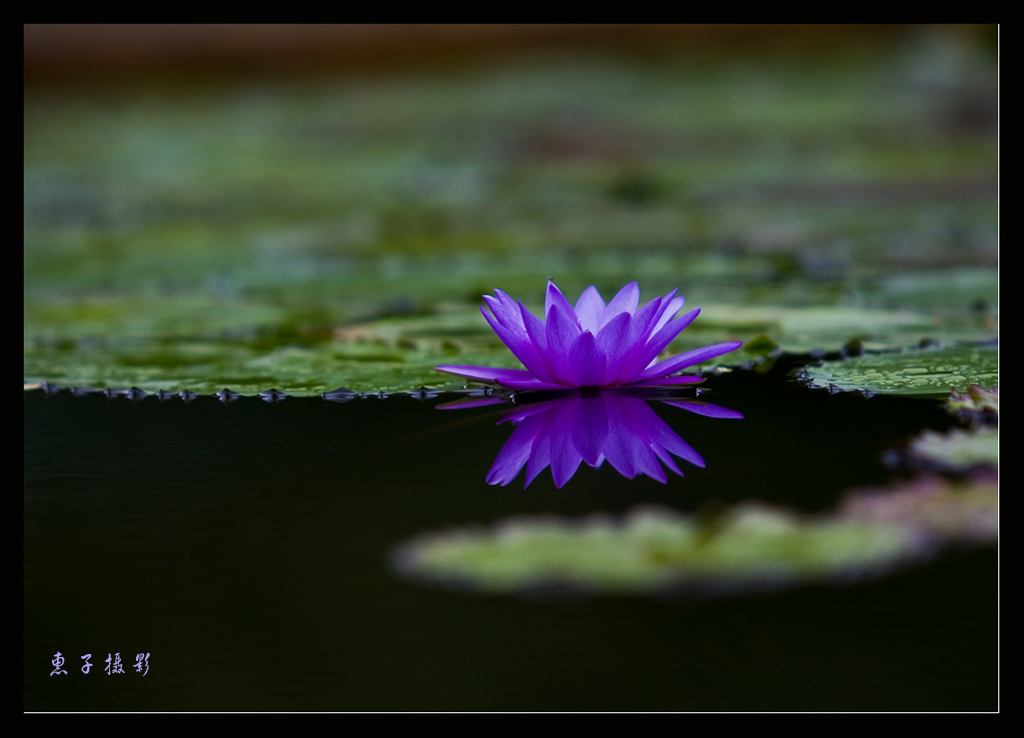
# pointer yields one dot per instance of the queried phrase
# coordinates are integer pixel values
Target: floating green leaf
(958, 449)
(975, 403)
(296, 364)
(965, 511)
(925, 373)
(795, 329)
(654, 549)
(187, 238)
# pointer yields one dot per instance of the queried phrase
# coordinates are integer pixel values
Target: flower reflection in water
(576, 426)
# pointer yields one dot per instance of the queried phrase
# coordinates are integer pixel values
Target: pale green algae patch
(919, 372)
(656, 549)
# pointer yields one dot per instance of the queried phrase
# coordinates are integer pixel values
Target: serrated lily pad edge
(806, 375)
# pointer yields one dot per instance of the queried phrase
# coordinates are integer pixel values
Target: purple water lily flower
(614, 425)
(592, 345)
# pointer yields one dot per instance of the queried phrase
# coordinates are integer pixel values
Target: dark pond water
(246, 549)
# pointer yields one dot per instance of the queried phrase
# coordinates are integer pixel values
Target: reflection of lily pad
(928, 373)
(752, 547)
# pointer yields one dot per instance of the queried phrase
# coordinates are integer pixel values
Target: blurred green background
(225, 210)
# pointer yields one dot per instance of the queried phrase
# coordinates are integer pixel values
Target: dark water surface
(245, 548)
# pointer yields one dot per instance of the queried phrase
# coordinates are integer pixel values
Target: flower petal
(536, 331)
(645, 319)
(664, 336)
(519, 379)
(643, 356)
(613, 343)
(626, 301)
(630, 364)
(535, 328)
(505, 309)
(690, 358)
(670, 307)
(586, 363)
(561, 331)
(519, 343)
(554, 297)
(590, 309)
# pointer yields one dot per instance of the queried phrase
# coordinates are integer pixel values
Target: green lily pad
(171, 317)
(959, 449)
(186, 238)
(924, 373)
(200, 345)
(975, 403)
(820, 328)
(963, 292)
(249, 365)
(963, 511)
(654, 550)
